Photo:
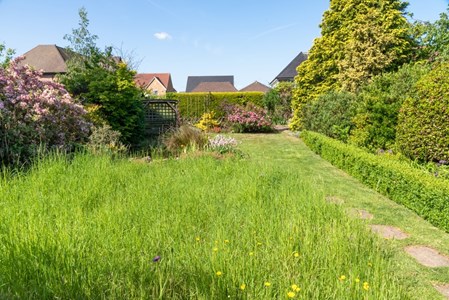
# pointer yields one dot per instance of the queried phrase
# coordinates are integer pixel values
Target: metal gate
(160, 115)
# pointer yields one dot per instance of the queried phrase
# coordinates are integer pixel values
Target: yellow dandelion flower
(267, 284)
(197, 238)
(243, 286)
(296, 254)
(251, 253)
(342, 277)
(215, 249)
(357, 280)
(366, 286)
(295, 288)
(226, 241)
(291, 295)
(219, 273)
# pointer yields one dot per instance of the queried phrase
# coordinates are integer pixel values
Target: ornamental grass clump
(222, 144)
(36, 116)
(249, 119)
(183, 139)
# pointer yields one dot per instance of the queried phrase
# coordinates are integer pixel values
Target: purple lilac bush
(36, 115)
(249, 119)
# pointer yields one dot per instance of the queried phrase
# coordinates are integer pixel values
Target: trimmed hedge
(194, 105)
(419, 191)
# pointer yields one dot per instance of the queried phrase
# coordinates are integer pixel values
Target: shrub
(378, 107)
(331, 114)
(104, 140)
(183, 139)
(249, 119)
(423, 126)
(208, 122)
(416, 189)
(222, 144)
(36, 115)
(194, 105)
(277, 102)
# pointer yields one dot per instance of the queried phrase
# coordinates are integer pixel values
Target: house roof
(214, 87)
(145, 79)
(49, 58)
(289, 72)
(194, 81)
(256, 87)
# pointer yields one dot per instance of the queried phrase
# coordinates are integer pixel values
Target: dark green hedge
(418, 190)
(194, 105)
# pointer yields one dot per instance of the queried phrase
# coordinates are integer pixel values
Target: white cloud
(163, 36)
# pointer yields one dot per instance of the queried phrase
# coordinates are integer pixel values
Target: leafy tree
(6, 55)
(359, 39)
(104, 84)
(433, 38)
(379, 103)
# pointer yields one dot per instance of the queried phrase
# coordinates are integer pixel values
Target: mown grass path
(290, 152)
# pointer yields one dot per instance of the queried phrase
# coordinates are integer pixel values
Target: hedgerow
(194, 105)
(421, 192)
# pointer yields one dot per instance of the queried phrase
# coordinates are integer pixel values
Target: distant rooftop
(194, 81)
(49, 58)
(256, 87)
(289, 72)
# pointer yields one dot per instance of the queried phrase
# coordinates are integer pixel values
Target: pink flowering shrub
(249, 119)
(36, 115)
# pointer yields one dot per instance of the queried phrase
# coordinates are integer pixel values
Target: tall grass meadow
(192, 228)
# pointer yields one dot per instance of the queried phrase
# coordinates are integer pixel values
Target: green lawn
(218, 228)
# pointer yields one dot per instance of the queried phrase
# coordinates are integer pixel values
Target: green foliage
(416, 189)
(6, 55)
(101, 81)
(331, 114)
(423, 126)
(378, 107)
(277, 102)
(104, 140)
(433, 38)
(359, 39)
(194, 105)
(208, 122)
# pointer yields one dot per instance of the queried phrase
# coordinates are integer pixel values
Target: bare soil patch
(389, 232)
(427, 256)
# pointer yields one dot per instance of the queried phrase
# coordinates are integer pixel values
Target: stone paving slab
(443, 289)
(427, 256)
(334, 200)
(389, 232)
(363, 214)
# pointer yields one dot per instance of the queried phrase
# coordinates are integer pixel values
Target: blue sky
(252, 40)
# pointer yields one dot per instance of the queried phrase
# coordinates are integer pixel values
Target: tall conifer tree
(359, 39)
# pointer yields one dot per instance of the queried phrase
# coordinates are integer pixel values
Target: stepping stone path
(335, 200)
(389, 232)
(427, 256)
(443, 289)
(363, 214)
